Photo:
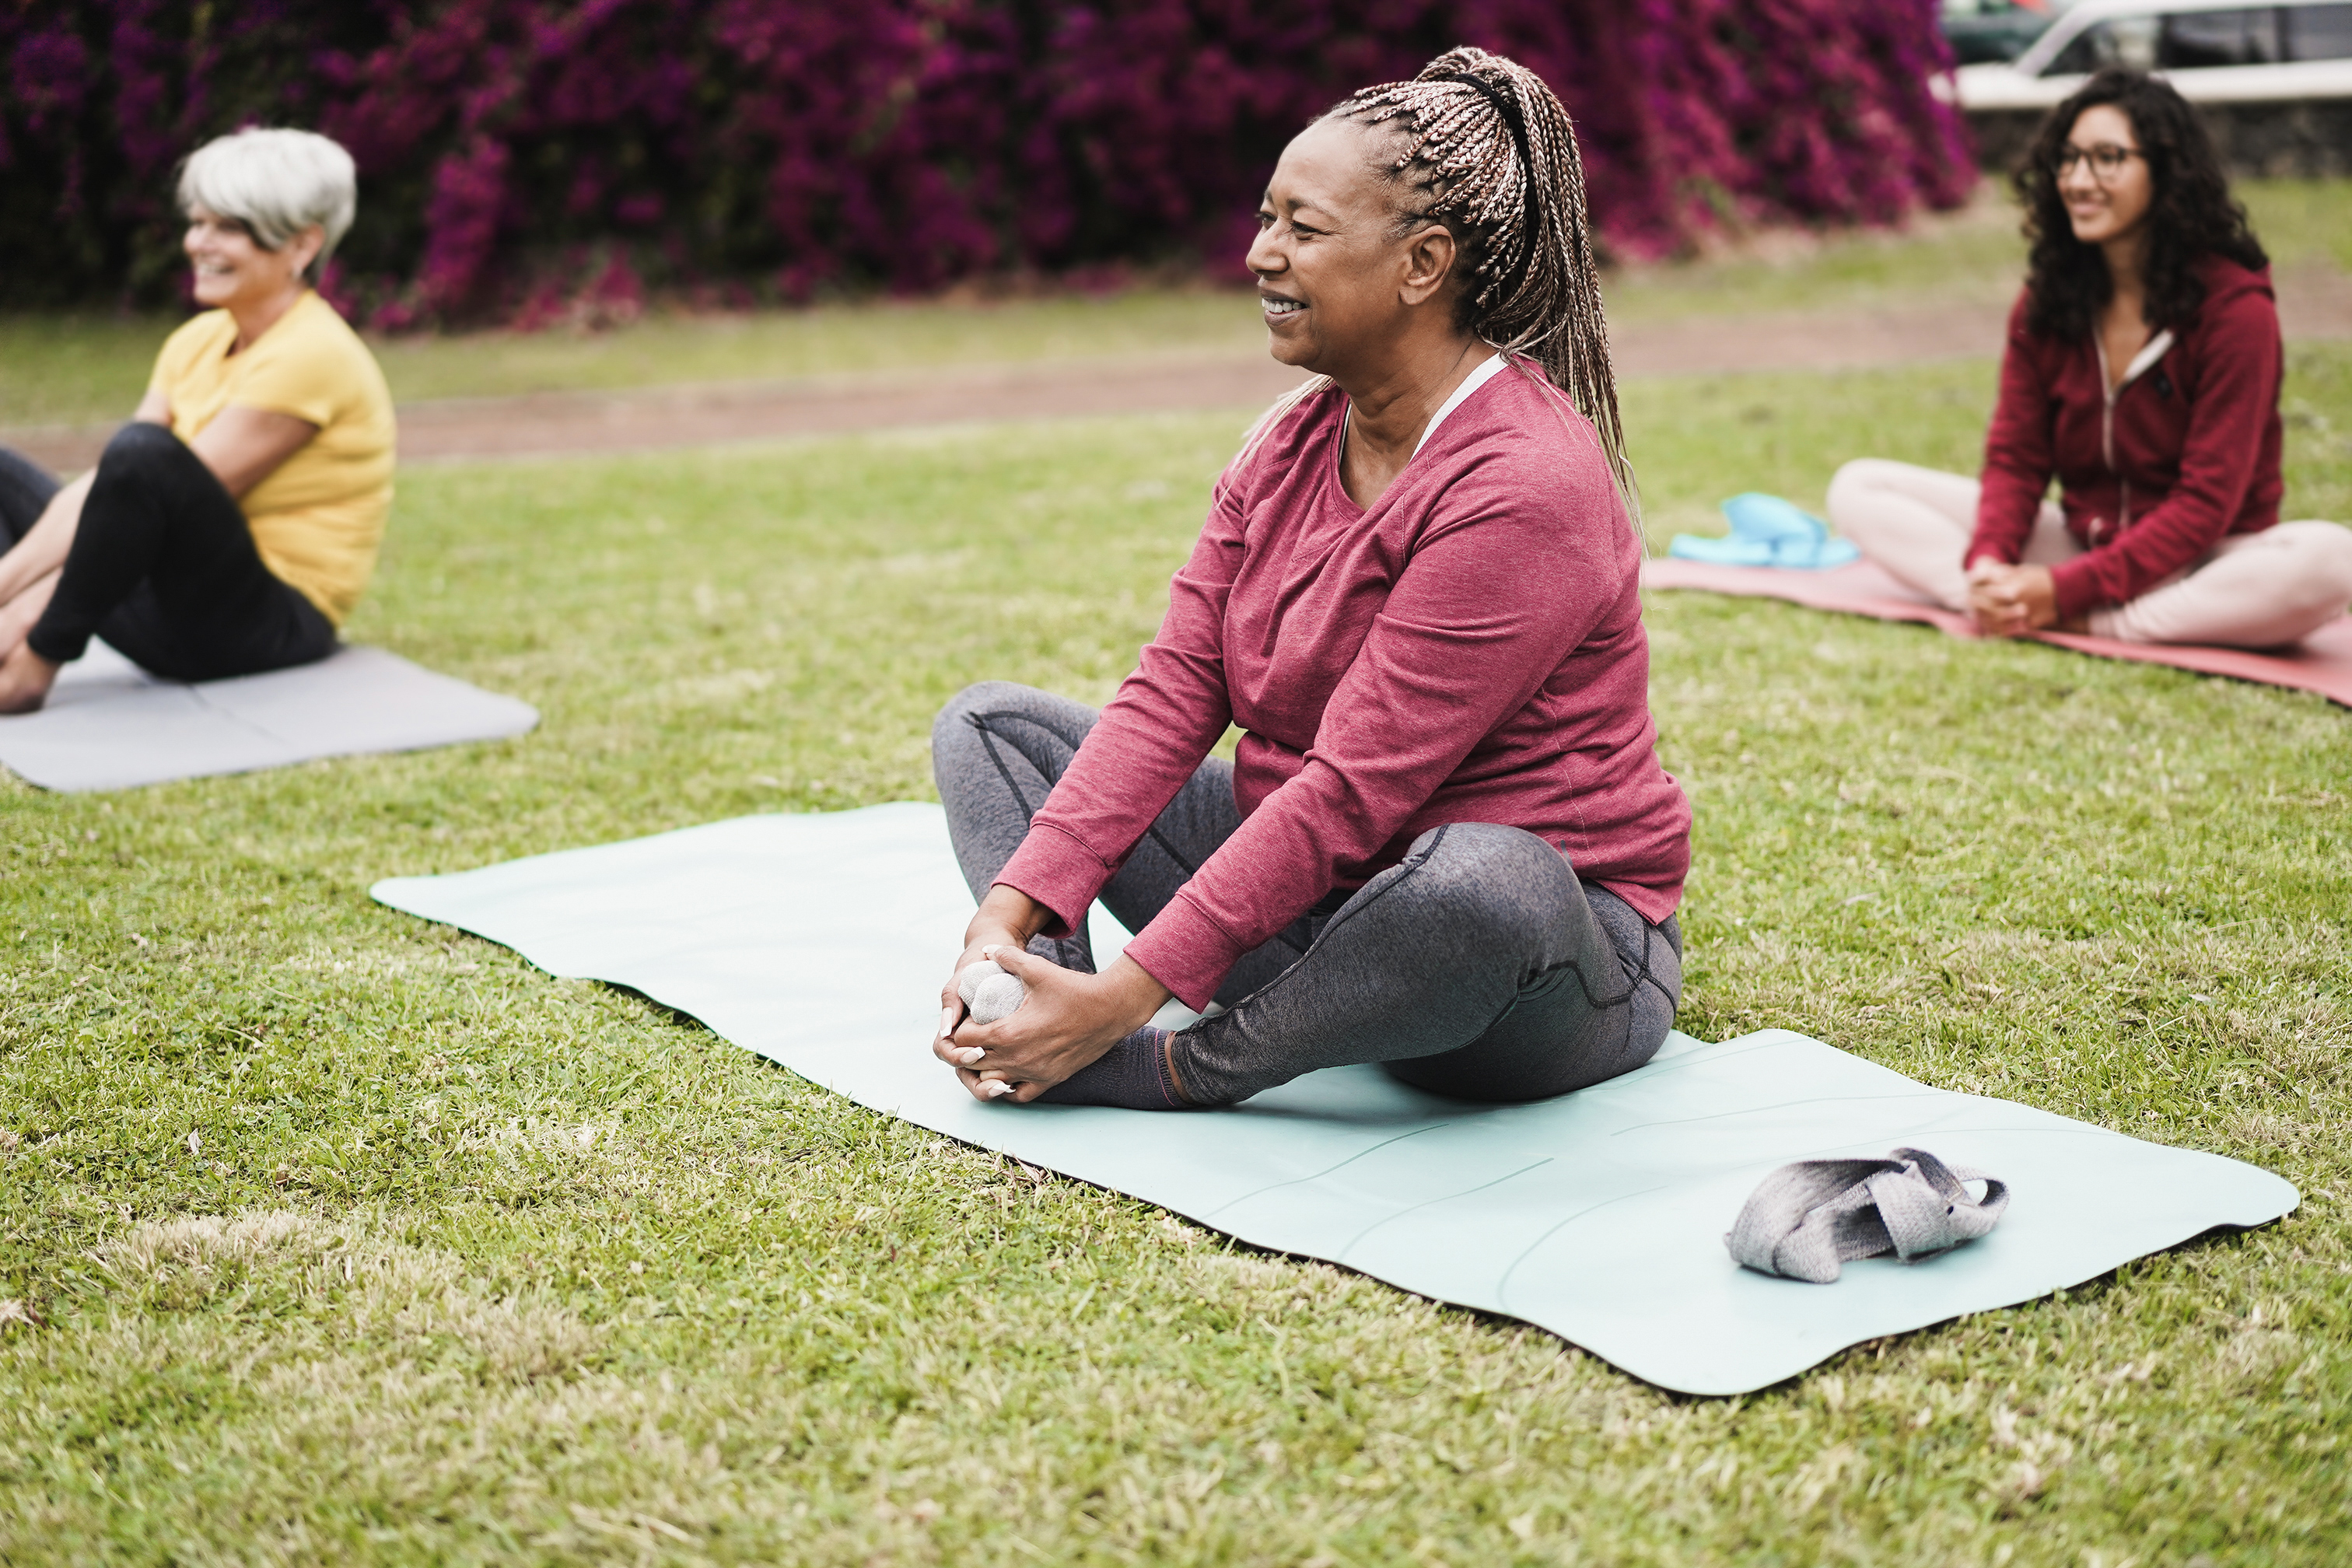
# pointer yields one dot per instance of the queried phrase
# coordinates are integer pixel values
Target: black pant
(163, 567)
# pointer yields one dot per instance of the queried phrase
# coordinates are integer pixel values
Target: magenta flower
(520, 158)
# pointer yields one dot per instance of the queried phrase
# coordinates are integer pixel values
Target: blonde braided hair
(1486, 149)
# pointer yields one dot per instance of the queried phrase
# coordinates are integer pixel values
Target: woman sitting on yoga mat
(232, 524)
(1445, 845)
(2143, 373)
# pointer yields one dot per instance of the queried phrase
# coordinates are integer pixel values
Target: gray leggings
(1479, 967)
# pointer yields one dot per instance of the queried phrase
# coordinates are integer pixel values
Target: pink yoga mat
(2322, 663)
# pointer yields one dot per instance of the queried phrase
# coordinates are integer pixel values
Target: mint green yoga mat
(821, 941)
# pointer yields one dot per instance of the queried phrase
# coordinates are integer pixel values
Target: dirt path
(2311, 305)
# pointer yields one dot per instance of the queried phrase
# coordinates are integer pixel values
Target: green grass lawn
(344, 1237)
(67, 369)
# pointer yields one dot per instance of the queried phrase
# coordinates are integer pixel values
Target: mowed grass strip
(71, 369)
(328, 1234)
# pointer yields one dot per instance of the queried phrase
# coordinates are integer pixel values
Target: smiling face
(2105, 205)
(231, 268)
(1335, 280)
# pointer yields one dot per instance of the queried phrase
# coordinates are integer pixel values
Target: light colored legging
(2254, 590)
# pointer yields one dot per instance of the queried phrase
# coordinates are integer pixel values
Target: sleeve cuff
(307, 410)
(1058, 871)
(2077, 587)
(1187, 951)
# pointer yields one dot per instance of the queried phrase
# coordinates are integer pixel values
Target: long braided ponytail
(1486, 149)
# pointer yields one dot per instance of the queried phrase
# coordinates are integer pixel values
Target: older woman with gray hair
(231, 526)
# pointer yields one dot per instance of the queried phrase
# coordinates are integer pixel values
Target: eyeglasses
(2106, 158)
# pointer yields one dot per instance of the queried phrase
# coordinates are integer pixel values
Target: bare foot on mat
(24, 680)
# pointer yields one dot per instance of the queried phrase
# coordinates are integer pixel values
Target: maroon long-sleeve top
(2184, 452)
(1468, 650)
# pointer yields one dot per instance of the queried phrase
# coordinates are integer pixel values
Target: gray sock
(1133, 1074)
(1808, 1218)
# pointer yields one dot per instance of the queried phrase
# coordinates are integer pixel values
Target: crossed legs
(1480, 967)
(2254, 590)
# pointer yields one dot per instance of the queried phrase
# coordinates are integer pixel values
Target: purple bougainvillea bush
(514, 154)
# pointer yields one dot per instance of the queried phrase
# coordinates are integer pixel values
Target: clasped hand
(2011, 601)
(1066, 1023)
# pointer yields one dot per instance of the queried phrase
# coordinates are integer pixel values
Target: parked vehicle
(2213, 51)
(1996, 30)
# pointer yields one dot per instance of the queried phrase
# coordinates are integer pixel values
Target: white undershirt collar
(1487, 369)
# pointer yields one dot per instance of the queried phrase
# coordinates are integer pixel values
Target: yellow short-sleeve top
(318, 519)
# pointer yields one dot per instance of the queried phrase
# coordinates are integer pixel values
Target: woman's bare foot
(24, 680)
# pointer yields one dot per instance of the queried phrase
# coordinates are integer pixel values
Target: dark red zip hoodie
(2186, 452)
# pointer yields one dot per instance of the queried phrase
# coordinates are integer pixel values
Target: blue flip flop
(1733, 551)
(1767, 531)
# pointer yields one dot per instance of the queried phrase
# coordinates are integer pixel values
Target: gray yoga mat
(820, 942)
(110, 725)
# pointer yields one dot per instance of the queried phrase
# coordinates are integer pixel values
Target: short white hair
(277, 183)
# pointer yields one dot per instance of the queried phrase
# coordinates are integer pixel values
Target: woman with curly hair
(1445, 843)
(2142, 373)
